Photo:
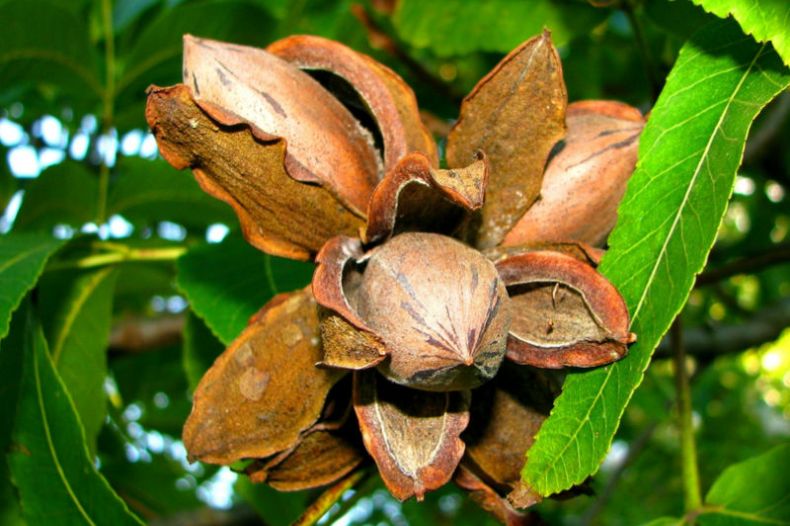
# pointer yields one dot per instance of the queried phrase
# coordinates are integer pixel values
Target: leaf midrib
(572, 438)
(50, 444)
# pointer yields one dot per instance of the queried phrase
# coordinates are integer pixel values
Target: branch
(773, 256)
(764, 326)
(143, 334)
(692, 496)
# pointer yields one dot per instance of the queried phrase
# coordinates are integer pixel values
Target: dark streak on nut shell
(439, 307)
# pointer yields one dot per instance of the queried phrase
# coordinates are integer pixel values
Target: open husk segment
(278, 214)
(264, 391)
(413, 436)
(564, 313)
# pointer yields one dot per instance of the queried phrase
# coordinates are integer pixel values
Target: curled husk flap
(385, 96)
(327, 451)
(416, 196)
(491, 501)
(585, 181)
(515, 115)
(264, 390)
(413, 436)
(325, 143)
(563, 312)
(581, 251)
(278, 214)
(348, 342)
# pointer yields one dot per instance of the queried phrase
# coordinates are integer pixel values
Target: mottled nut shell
(440, 308)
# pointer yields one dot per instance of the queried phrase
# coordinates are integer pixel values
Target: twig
(688, 449)
(764, 326)
(108, 104)
(143, 334)
(328, 498)
(239, 515)
(128, 254)
(773, 256)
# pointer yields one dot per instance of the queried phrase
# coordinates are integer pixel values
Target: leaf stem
(688, 449)
(119, 256)
(108, 105)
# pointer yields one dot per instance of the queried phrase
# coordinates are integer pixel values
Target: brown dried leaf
(491, 501)
(415, 196)
(585, 181)
(326, 144)
(413, 436)
(515, 115)
(506, 415)
(388, 99)
(264, 390)
(564, 312)
(278, 215)
(439, 307)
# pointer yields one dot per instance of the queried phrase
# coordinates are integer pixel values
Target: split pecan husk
(439, 293)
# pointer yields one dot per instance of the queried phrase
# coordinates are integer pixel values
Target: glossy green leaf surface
(76, 311)
(56, 49)
(457, 27)
(50, 465)
(689, 153)
(64, 194)
(751, 492)
(22, 259)
(228, 282)
(765, 20)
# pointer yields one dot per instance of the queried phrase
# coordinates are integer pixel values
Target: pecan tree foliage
(439, 293)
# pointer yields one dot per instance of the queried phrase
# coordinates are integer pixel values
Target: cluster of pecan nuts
(437, 292)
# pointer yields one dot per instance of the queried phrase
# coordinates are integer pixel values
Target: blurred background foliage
(80, 165)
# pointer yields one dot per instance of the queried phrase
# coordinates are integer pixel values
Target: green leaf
(50, 465)
(228, 282)
(200, 349)
(689, 152)
(55, 49)
(274, 507)
(751, 492)
(66, 193)
(76, 311)
(150, 191)
(11, 365)
(665, 521)
(765, 20)
(458, 27)
(22, 259)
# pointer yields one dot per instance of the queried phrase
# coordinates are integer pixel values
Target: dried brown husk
(278, 214)
(389, 100)
(348, 342)
(413, 436)
(576, 249)
(325, 143)
(415, 196)
(563, 312)
(586, 180)
(491, 501)
(264, 390)
(439, 307)
(516, 114)
(327, 451)
(506, 414)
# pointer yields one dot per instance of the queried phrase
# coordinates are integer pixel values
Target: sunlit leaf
(689, 152)
(22, 258)
(766, 20)
(50, 464)
(457, 27)
(76, 311)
